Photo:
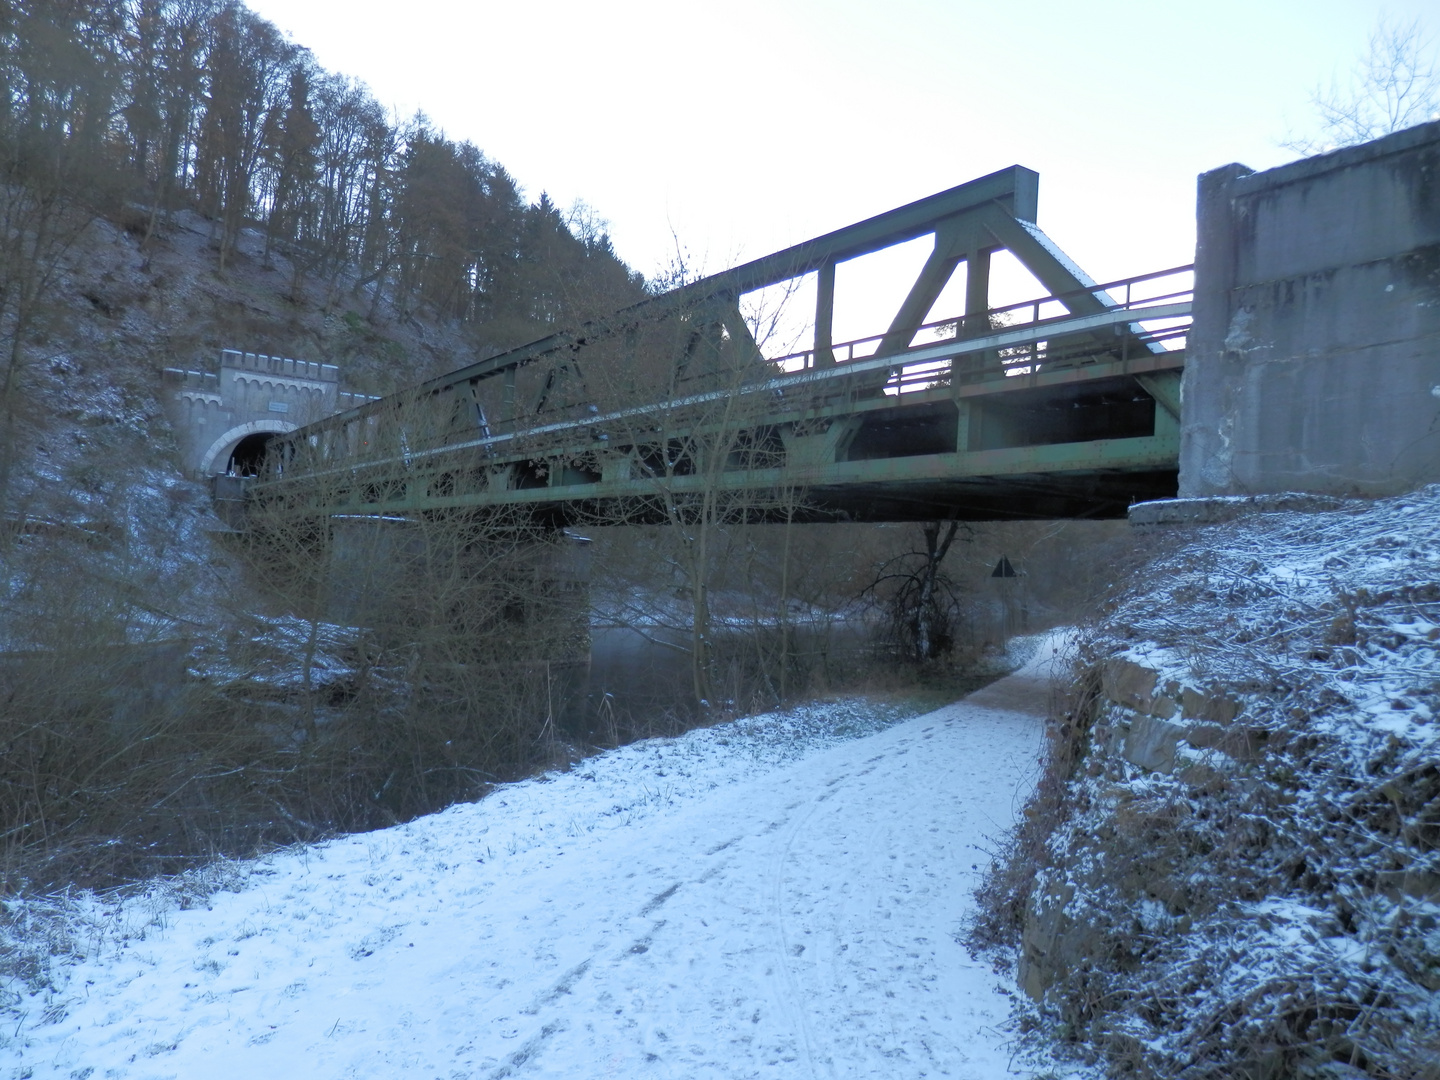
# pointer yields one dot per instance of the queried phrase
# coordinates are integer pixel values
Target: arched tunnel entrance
(249, 454)
(234, 457)
(241, 450)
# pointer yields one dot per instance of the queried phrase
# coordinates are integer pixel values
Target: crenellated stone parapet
(278, 366)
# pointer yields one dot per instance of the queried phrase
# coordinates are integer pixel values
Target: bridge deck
(988, 448)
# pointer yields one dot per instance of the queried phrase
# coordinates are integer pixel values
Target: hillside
(177, 179)
(91, 422)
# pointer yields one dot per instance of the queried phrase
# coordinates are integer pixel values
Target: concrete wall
(1314, 361)
(211, 412)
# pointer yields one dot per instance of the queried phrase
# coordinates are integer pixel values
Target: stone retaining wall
(1158, 723)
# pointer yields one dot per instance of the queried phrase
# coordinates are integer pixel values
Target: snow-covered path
(707, 906)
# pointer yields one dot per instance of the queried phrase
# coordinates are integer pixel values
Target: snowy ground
(776, 897)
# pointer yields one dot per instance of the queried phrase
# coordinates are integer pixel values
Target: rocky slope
(122, 308)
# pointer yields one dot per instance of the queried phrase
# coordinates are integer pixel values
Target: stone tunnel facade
(221, 417)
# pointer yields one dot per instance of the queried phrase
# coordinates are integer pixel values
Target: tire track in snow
(525, 1053)
(795, 1005)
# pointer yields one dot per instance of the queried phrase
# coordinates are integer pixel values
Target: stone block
(1205, 736)
(1127, 683)
(1042, 942)
(1150, 743)
(1211, 706)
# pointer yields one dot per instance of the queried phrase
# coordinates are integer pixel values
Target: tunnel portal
(249, 454)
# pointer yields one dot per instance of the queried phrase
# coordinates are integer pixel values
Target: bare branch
(1394, 85)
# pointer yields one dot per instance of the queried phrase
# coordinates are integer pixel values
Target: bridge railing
(1160, 288)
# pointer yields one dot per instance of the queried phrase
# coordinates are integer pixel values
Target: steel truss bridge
(1067, 405)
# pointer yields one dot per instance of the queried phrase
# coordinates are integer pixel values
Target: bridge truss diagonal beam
(1013, 189)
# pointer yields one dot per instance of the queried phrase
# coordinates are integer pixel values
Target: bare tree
(1395, 84)
(688, 428)
(919, 601)
(57, 92)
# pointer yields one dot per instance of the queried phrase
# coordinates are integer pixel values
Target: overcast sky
(743, 126)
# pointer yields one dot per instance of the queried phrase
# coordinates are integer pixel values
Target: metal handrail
(808, 355)
(1015, 360)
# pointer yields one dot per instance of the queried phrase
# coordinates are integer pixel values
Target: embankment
(1232, 865)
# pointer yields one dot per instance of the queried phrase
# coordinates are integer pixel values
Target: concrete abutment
(1313, 364)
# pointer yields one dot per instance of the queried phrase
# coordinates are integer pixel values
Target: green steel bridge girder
(938, 485)
(1092, 477)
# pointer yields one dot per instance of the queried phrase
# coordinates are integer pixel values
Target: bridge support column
(615, 468)
(825, 315)
(962, 425)
(819, 449)
(977, 293)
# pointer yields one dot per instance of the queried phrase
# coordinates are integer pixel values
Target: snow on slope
(773, 896)
(1235, 869)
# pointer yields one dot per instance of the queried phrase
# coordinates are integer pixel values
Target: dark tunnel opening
(249, 454)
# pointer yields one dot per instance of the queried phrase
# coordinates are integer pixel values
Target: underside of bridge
(1066, 405)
